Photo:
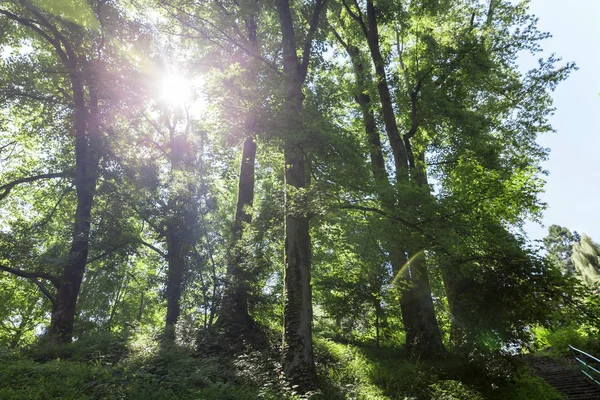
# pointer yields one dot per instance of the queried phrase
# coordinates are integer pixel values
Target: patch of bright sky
(573, 184)
(24, 49)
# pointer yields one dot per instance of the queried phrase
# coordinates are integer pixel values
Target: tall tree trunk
(423, 337)
(423, 334)
(234, 316)
(298, 362)
(176, 269)
(87, 156)
(427, 339)
(377, 321)
(176, 233)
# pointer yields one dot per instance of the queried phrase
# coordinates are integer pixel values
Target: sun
(175, 90)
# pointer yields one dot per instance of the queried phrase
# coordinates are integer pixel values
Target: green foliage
(102, 348)
(25, 379)
(559, 246)
(469, 115)
(381, 374)
(105, 368)
(558, 339)
(453, 390)
(144, 369)
(525, 387)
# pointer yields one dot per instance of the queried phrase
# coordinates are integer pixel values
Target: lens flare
(175, 90)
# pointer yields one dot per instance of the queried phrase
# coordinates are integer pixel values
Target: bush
(453, 390)
(103, 348)
(582, 337)
(526, 387)
(369, 374)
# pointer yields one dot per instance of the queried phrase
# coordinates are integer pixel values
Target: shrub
(583, 337)
(103, 348)
(453, 390)
(526, 387)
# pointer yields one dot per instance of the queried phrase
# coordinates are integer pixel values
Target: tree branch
(51, 214)
(32, 275)
(67, 55)
(400, 220)
(31, 24)
(6, 145)
(6, 188)
(104, 254)
(225, 36)
(44, 290)
(156, 249)
(314, 24)
(357, 17)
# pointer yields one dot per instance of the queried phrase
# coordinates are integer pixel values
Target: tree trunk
(423, 334)
(298, 363)
(452, 286)
(140, 313)
(234, 316)
(423, 337)
(176, 235)
(377, 313)
(87, 156)
(389, 118)
(176, 268)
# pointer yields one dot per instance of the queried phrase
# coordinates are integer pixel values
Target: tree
(423, 335)
(298, 362)
(63, 34)
(559, 245)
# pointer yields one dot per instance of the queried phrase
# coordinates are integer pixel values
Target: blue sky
(573, 184)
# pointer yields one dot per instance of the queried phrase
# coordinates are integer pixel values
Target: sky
(573, 184)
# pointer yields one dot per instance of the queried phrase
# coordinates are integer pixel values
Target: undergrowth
(106, 367)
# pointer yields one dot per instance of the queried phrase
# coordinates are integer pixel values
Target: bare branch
(6, 145)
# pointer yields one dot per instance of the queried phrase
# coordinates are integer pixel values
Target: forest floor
(103, 367)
